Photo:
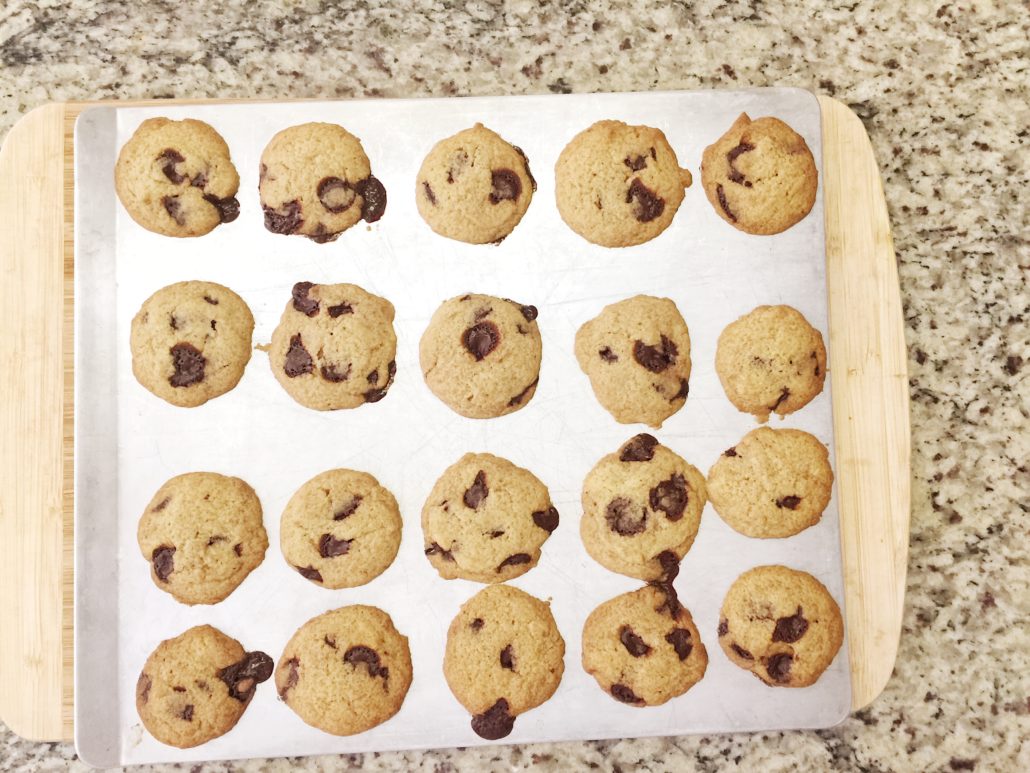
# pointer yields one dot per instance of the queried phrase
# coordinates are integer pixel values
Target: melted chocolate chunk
(458, 164)
(238, 549)
(634, 645)
(684, 390)
(161, 505)
(333, 375)
(517, 399)
(655, 358)
(330, 547)
(373, 196)
(481, 339)
(670, 497)
(724, 627)
(164, 563)
(635, 163)
(200, 181)
(435, 549)
(323, 235)
(791, 502)
(482, 313)
(228, 208)
(477, 492)
(735, 175)
(506, 186)
(508, 658)
(730, 451)
(790, 629)
(170, 158)
(515, 560)
(375, 395)
(778, 666)
(529, 174)
(348, 509)
(496, 533)
(495, 722)
(779, 400)
(370, 658)
(189, 365)
(298, 362)
(174, 209)
(679, 638)
(143, 685)
(721, 195)
(625, 695)
(215, 539)
(546, 519)
(340, 309)
(649, 205)
(529, 312)
(476, 624)
(336, 195)
(285, 220)
(187, 712)
(670, 564)
(330, 641)
(310, 573)
(639, 449)
(243, 676)
(291, 678)
(741, 652)
(623, 518)
(427, 189)
(212, 301)
(302, 301)
(607, 354)
(173, 322)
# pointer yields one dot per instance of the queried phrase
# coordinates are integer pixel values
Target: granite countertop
(943, 88)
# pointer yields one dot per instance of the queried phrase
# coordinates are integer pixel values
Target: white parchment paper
(129, 442)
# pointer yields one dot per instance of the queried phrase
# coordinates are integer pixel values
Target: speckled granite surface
(942, 87)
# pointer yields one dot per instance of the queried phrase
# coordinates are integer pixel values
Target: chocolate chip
(477, 492)
(783, 396)
(333, 375)
(679, 638)
(482, 313)
(721, 195)
(508, 658)
(340, 309)
(622, 693)
(435, 549)
(302, 301)
(238, 548)
(322, 235)
(529, 312)
(506, 186)
(790, 629)
(336, 195)
(635, 163)
(164, 563)
(458, 164)
(173, 322)
(310, 573)
(495, 722)
(200, 181)
(161, 505)
(791, 502)
(607, 354)
(370, 658)
(215, 539)
(481, 339)
(330, 641)
(730, 452)
(634, 645)
(214, 325)
(187, 712)
(174, 209)
(670, 564)
(724, 627)
(373, 196)
(298, 362)
(143, 685)
(330, 547)
(178, 688)
(244, 675)
(546, 519)
(375, 395)
(741, 652)
(429, 193)
(735, 175)
(670, 598)
(170, 158)
(285, 220)
(778, 666)
(623, 519)
(638, 449)
(212, 301)
(656, 358)
(476, 624)
(670, 497)
(517, 399)
(529, 174)
(649, 205)
(515, 560)
(653, 154)
(348, 509)
(496, 533)
(291, 678)
(684, 390)
(228, 208)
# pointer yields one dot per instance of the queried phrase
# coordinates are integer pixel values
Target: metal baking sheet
(128, 442)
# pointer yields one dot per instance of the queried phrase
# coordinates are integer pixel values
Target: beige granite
(942, 87)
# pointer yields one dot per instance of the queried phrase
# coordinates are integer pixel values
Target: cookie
(346, 670)
(334, 347)
(771, 361)
(176, 178)
(474, 187)
(780, 624)
(316, 181)
(773, 483)
(641, 509)
(190, 342)
(195, 687)
(202, 534)
(481, 355)
(486, 519)
(341, 529)
(637, 355)
(618, 185)
(504, 657)
(760, 176)
(641, 649)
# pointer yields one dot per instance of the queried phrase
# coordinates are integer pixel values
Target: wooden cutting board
(867, 369)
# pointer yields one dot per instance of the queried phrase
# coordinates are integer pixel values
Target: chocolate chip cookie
(780, 624)
(481, 355)
(771, 360)
(341, 529)
(643, 648)
(316, 181)
(195, 687)
(202, 534)
(190, 342)
(641, 509)
(760, 176)
(486, 520)
(637, 355)
(176, 178)
(504, 657)
(334, 346)
(773, 483)
(345, 671)
(474, 186)
(618, 185)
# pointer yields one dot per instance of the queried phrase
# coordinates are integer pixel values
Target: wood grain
(867, 370)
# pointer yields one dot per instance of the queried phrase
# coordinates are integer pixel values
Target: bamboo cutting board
(867, 368)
